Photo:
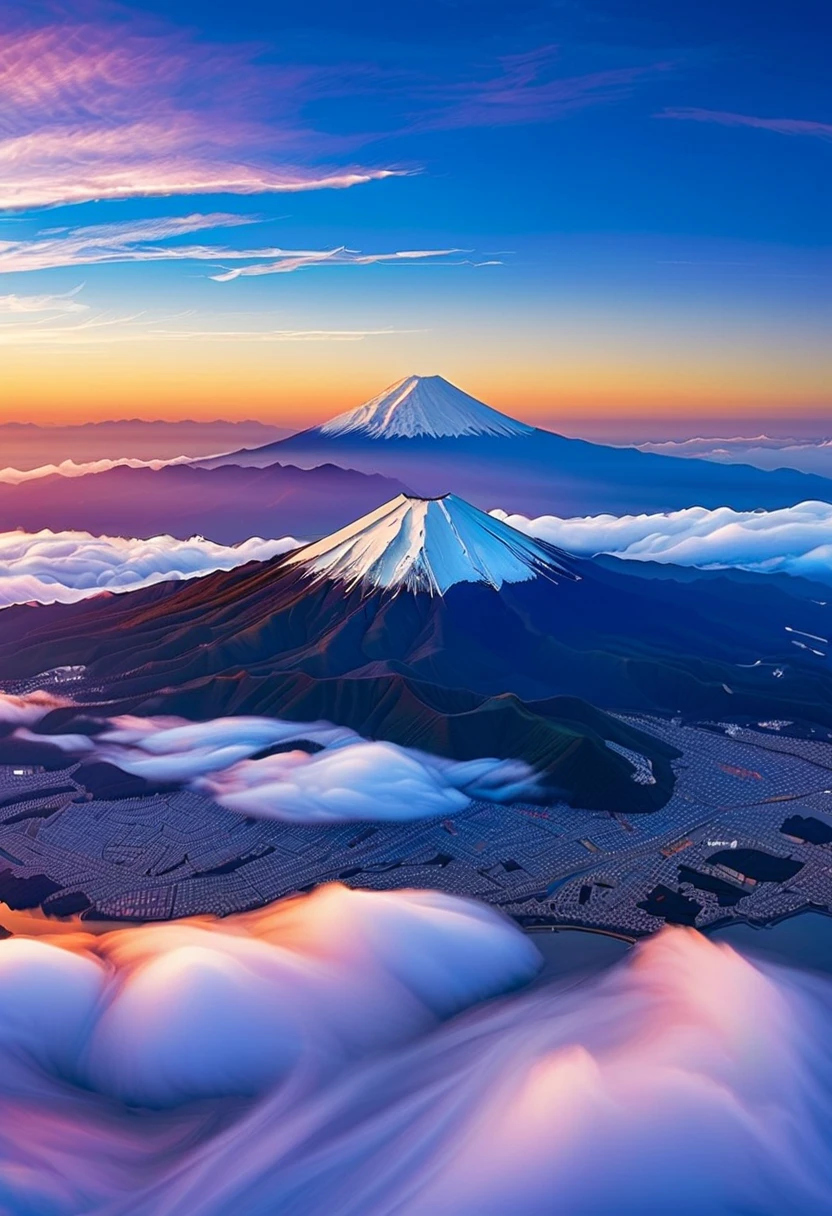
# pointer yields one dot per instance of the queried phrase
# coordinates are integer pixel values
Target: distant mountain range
(227, 505)
(25, 445)
(436, 438)
(422, 435)
(433, 625)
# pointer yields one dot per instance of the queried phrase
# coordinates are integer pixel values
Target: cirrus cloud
(525, 88)
(290, 260)
(66, 302)
(113, 110)
(124, 241)
(159, 240)
(726, 118)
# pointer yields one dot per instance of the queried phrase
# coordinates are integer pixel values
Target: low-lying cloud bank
(158, 1018)
(62, 567)
(71, 468)
(48, 567)
(686, 1080)
(794, 540)
(296, 1060)
(347, 779)
(763, 451)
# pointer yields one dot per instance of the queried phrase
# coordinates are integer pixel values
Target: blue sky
(599, 213)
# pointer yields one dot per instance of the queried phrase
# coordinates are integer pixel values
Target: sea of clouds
(348, 779)
(48, 567)
(127, 1054)
(62, 567)
(301, 1060)
(793, 540)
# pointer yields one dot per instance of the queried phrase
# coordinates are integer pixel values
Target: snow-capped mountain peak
(423, 406)
(427, 545)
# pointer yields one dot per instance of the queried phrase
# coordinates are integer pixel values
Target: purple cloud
(101, 111)
(783, 126)
(524, 89)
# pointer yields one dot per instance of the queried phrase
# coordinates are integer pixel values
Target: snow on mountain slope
(423, 406)
(428, 545)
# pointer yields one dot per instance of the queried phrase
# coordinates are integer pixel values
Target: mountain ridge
(713, 648)
(228, 504)
(534, 471)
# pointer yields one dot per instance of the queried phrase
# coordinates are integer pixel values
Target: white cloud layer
(350, 779)
(157, 1017)
(62, 567)
(365, 780)
(764, 452)
(69, 468)
(685, 1079)
(793, 540)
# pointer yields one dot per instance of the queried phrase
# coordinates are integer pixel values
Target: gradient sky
(612, 216)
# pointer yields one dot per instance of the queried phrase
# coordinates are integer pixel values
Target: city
(180, 854)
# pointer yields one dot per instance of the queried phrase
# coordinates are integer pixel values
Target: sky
(608, 216)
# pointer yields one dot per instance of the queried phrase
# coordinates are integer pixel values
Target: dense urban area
(746, 835)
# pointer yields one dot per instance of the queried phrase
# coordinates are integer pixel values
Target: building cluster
(180, 854)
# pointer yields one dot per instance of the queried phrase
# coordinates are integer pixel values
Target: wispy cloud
(725, 118)
(108, 330)
(51, 305)
(104, 109)
(291, 260)
(278, 335)
(97, 111)
(523, 89)
(128, 241)
(102, 328)
(159, 240)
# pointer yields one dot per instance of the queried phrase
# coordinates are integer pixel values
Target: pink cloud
(99, 112)
(783, 126)
(67, 67)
